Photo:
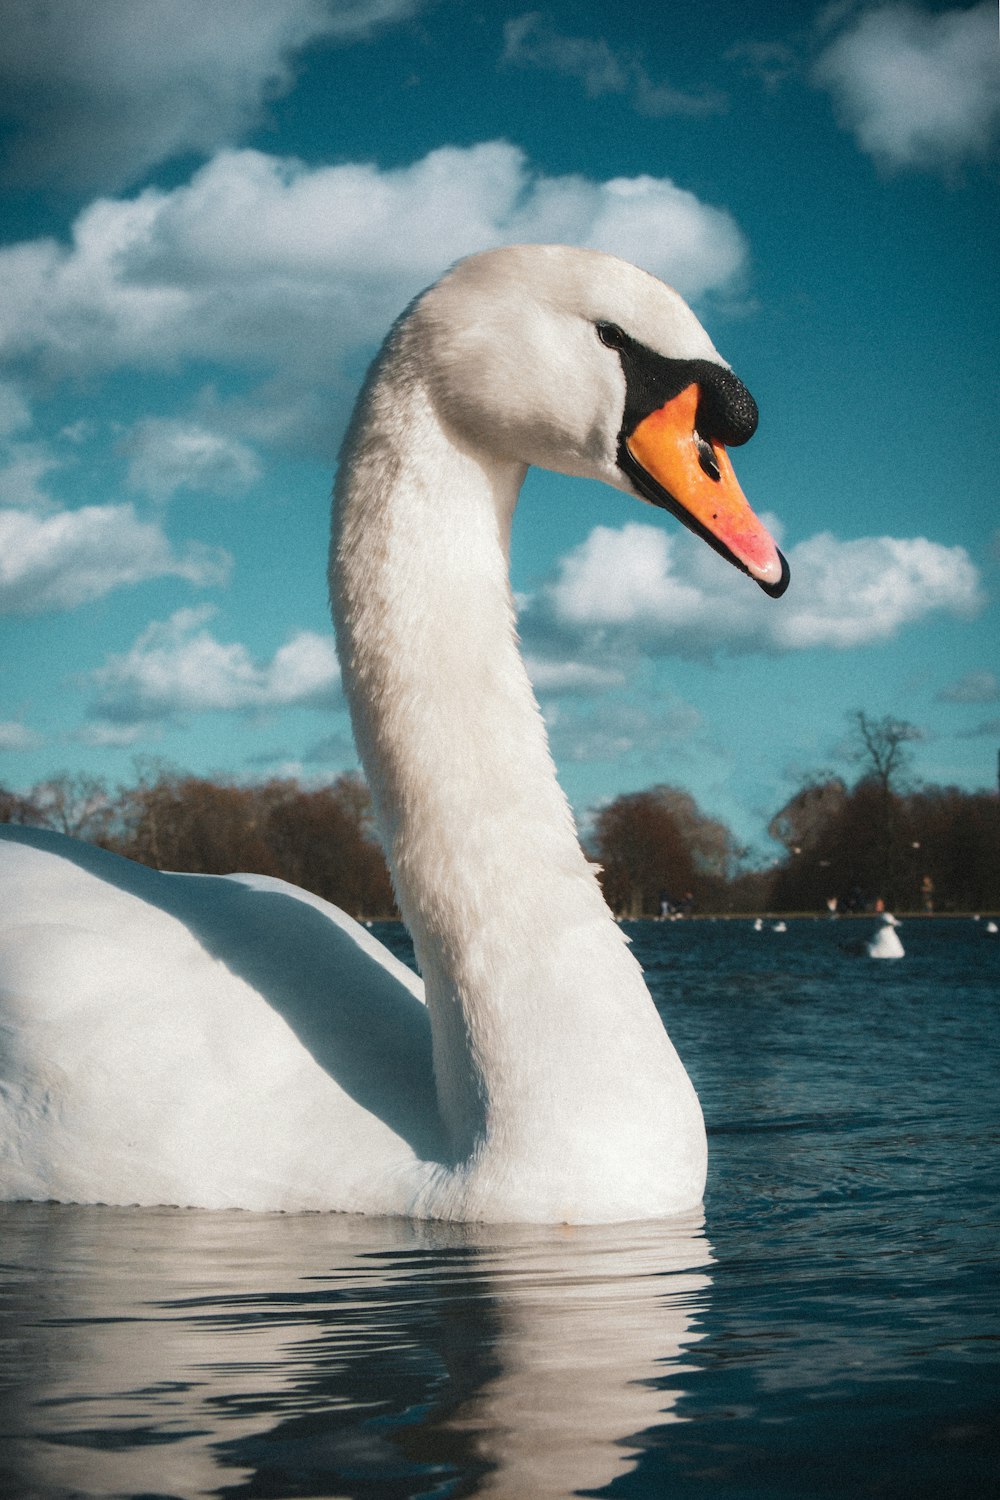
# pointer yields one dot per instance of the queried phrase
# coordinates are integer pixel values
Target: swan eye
(611, 334)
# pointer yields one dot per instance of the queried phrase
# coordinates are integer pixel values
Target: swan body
(886, 942)
(232, 1041)
(171, 1039)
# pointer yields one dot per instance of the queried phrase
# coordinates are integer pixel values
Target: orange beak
(692, 477)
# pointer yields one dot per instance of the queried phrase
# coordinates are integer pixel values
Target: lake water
(829, 1327)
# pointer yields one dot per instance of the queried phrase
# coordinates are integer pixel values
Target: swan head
(577, 361)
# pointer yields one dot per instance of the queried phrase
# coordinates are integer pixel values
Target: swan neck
(541, 1021)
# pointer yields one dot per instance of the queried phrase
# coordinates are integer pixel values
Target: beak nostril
(706, 457)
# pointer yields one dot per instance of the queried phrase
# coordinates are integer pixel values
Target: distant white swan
(237, 1042)
(886, 942)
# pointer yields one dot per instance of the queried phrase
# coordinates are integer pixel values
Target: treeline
(935, 849)
(930, 849)
(846, 848)
(320, 839)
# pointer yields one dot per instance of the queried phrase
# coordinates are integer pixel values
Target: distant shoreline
(781, 916)
(820, 916)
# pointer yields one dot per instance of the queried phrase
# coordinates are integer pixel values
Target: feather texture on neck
(548, 1052)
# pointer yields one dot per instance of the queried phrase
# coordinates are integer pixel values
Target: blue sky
(213, 212)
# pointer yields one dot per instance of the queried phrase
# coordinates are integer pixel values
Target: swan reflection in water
(188, 1353)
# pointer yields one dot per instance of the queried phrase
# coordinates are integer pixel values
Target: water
(829, 1327)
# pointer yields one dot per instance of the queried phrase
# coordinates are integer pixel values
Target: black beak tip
(777, 589)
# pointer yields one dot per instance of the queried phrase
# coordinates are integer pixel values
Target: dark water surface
(830, 1327)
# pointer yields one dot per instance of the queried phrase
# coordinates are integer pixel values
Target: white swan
(886, 941)
(234, 1041)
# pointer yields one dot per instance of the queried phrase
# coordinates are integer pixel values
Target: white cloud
(974, 687)
(166, 455)
(919, 88)
(99, 93)
(553, 678)
(23, 462)
(532, 41)
(111, 736)
(15, 736)
(178, 667)
(23, 466)
(335, 254)
(15, 414)
(62, 560)
(305, 671)
(624, 577)
(665, 593)
(867, 590)
(332, 749)
(618, 727)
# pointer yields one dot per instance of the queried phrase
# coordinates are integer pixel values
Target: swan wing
(206, 1040)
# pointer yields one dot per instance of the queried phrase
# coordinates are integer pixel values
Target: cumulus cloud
(532, 41)
(93, 95)
(165, 456)
(62, 560)
(23, 468)
(24, 462)
(918, 88)
(16, 736)
(856, 592)
(334, 255)
(178, 667)
(53, 558)
(666, 593)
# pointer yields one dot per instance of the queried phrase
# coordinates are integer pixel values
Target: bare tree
(77, 805)
(880, 746)
(17, 808)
